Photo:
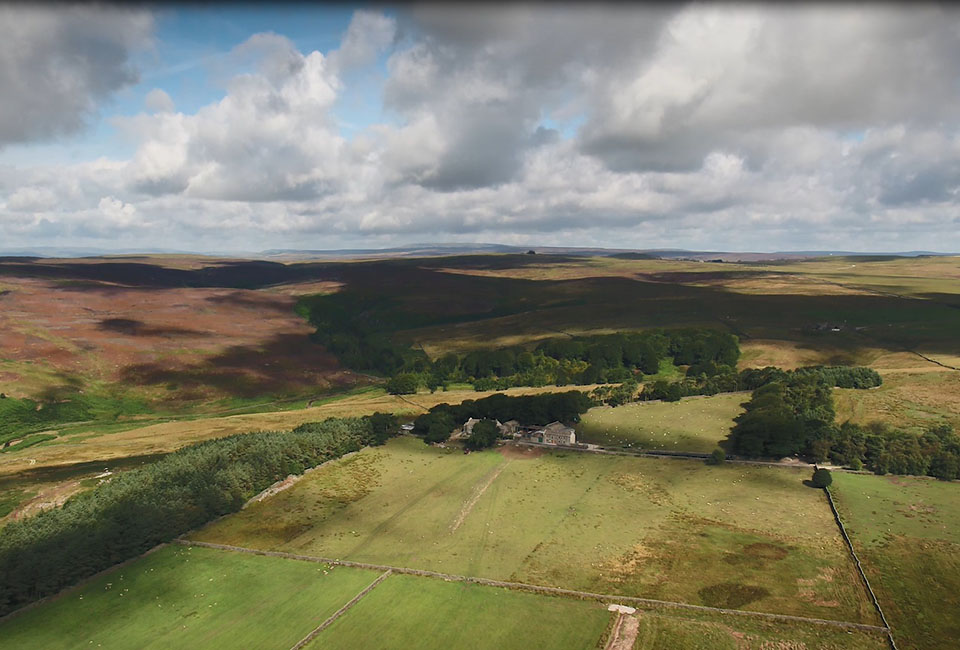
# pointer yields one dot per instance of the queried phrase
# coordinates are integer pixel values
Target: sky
(738, 127)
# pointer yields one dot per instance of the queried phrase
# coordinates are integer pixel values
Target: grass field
(908, 400)
(694, 424)
(190, 598)
(429, 614)
(730, 536)
(907, 532)
(708, 632)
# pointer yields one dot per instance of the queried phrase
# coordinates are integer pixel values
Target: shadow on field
(283, 365)
(420, 293)
(257, 302)
(133, 327)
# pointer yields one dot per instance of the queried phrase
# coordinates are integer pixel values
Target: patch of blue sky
(853, 136)
(360, 103)
(566, 127)
(189, 60)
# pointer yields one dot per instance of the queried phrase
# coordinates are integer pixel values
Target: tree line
(440, 421)
(138, 509)
(357, 327)
(699, 382)
(604, 358)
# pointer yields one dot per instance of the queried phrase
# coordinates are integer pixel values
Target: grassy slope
(677, 530)
(693, 424)
(190, 598)
(907, 532)
(412, 612)
(912, 400)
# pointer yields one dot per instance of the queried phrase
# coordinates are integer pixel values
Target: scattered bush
(717, 457)
(821, 478)
(404, 383)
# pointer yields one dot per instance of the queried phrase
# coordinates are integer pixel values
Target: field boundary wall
(856, 560)
(649, 603)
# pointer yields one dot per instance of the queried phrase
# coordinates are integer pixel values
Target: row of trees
(437, 424)
(136, 510)
(729, 380)
(885, 450)
(607, 358)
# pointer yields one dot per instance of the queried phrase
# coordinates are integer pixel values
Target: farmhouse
(555, 433)
(509, 428)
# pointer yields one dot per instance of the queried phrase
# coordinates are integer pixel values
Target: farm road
(655, 453)
(649, 603)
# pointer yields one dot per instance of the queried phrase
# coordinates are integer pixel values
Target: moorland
(113, 370)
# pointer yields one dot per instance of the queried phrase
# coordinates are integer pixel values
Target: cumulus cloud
(158, 101)
(58, 63)
(699, 126)
(270, 138)
(368, 35)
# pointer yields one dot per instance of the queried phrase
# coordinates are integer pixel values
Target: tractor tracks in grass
(647, 603)
(468, 506)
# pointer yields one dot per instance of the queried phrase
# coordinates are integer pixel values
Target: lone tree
(822, 478)
(717, 457)
(404, 383)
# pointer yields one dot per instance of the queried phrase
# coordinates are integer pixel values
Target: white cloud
(158, 101)
(702, 126)
(117, 212)
(270, 138)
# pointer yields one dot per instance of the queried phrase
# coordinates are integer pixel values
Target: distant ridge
(444, 249)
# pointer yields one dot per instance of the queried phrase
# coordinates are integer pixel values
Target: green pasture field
(179, 597)
(694, 424)
(426, 613)
(730, 536)
(907, 533)
(692, 631)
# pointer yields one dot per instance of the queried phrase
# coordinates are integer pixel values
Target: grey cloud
(486, 76)
(720, 74)
(926, 185)
(697, 133)
(57, 64)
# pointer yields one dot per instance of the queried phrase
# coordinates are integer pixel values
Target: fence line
(856, 560)
(650, 603)
(340, 612)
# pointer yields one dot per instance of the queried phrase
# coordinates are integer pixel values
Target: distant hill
(445, 249)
